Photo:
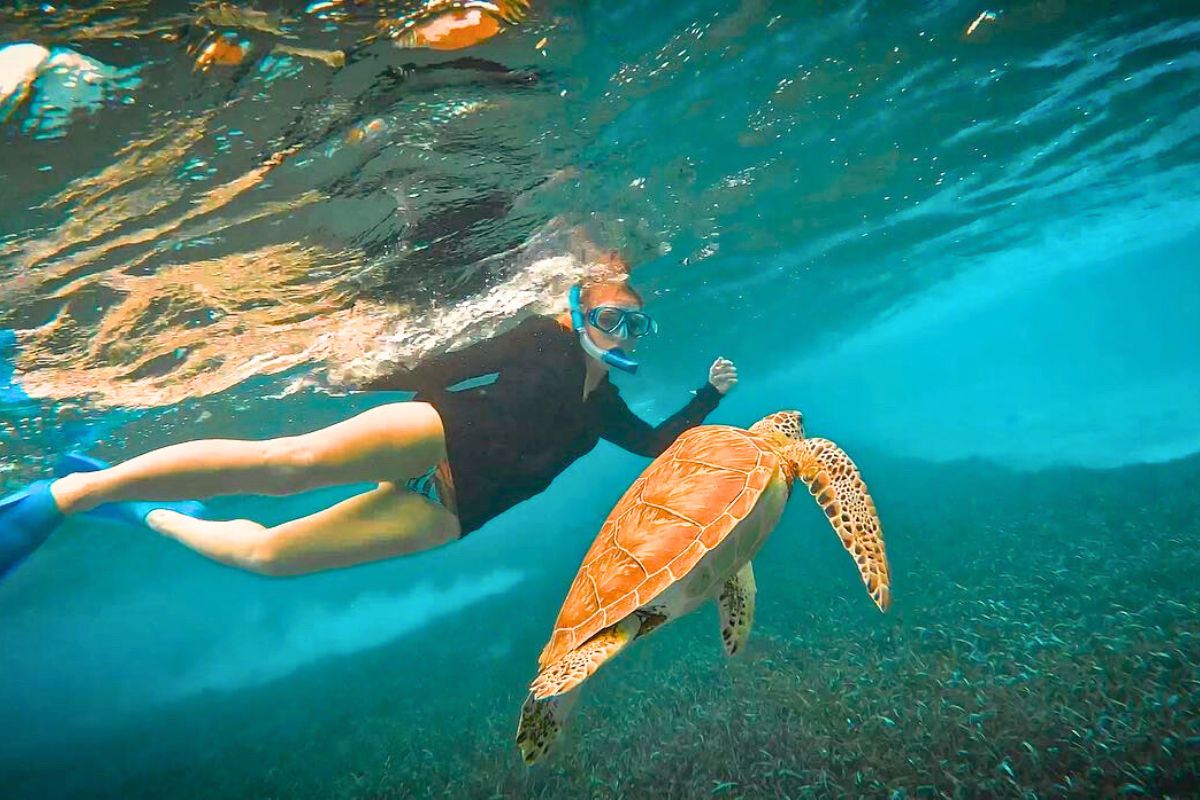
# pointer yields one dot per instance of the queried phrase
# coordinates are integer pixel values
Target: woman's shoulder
(545, 322)
(544, 325)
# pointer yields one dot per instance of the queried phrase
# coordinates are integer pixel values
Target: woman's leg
(393, 441)
(385, 522)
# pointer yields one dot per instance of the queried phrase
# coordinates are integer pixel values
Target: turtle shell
(680, 508)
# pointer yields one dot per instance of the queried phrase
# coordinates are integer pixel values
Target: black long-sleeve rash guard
(514, 414)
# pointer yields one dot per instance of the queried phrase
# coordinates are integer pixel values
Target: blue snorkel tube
(614, 357)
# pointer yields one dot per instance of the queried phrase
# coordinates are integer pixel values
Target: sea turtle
(685, 532)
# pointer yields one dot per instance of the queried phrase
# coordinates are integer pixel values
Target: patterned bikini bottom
(436, 484)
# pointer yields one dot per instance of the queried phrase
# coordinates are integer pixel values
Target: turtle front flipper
(577, 665)
(834, 481)
(736, 604)
(541, 724)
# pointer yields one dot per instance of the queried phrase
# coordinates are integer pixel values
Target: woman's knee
(293, 464)
(266, 554)
(273, 568)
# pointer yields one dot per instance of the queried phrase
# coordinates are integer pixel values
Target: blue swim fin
(130, 512)
(27, 518)
(10, 392)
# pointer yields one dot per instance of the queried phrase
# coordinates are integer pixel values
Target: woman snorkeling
(491, 425)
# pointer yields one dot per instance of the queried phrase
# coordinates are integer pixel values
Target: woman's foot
(131, 512)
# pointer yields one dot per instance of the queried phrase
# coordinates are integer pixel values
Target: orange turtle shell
(683, 505)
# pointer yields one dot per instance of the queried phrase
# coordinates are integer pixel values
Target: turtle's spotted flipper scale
(736, 604)
(577, 665)
(835, 483)
(541, 724)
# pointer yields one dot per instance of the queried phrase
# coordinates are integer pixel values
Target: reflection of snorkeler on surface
(216, 34)
(491, 425)
(437, 25)
(57, 82)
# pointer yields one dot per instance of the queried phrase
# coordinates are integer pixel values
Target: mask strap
(575, 300)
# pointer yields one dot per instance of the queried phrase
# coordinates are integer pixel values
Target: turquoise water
(970, 259)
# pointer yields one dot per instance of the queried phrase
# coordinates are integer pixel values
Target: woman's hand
(722, 375)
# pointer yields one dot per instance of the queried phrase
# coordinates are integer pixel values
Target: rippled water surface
(963, 238)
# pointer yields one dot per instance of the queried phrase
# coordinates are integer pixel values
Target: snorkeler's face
(608, 317)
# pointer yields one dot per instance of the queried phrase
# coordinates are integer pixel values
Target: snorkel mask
(615, 356)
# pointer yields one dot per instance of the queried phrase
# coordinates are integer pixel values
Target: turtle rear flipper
(736, 605)
(541, 724)
(834, 481)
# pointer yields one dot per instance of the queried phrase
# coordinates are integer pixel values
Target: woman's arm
(627, 430)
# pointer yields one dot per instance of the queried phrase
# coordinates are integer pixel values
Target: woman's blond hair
(607, 281)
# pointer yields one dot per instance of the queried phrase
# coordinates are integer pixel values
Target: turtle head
(783, 427)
